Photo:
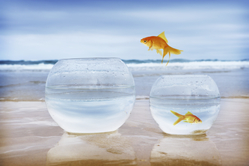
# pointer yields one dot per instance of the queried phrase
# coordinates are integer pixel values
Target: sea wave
(135, 64)
(191, 65)
(17, 67)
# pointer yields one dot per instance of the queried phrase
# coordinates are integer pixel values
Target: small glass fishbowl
(90, 95)
(185, 104)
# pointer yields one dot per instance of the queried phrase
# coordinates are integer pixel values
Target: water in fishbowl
(184, 116)
(90, 110)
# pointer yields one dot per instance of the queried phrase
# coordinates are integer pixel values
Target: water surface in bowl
(205, 109)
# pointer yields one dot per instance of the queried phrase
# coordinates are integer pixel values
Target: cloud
(203, 31)
(54, 46)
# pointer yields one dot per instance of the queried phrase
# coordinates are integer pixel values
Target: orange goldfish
(188, 117)
(160, 42)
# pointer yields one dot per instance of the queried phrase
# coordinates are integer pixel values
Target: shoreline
(137, 98)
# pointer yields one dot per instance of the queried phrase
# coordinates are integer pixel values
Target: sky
(58, 29)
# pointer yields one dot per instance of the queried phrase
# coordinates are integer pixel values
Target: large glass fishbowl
(185, 104)
(90, 95)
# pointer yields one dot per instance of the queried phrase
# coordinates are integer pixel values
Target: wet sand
(28, 136)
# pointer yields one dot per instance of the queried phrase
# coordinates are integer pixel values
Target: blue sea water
(25, 80)
(129, 61)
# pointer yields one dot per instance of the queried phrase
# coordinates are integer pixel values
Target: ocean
(25, 80)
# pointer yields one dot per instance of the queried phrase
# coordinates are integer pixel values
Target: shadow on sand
(185, 150)
(92, 149)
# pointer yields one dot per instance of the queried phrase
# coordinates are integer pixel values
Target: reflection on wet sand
(92, 149)
(185, 150)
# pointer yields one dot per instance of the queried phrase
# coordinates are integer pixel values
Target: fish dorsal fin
(188, 113)
(162, 35)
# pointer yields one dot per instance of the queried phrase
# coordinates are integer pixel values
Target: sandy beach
(35, 139)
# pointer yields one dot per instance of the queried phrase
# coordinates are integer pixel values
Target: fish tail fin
(179, 120)
(174, 50)
(169, 50)
(176, 114)
(180, 117)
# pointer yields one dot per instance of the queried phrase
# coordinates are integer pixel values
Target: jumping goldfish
(160, 42)
(188, 117)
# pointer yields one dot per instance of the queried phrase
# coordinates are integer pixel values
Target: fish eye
(145, 41)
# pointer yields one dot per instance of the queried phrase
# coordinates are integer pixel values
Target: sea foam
(134, 65)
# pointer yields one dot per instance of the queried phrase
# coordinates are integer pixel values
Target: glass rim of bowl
(181, 96)
(185, 75)
(89, 86)
(89, 58)
(186, 97)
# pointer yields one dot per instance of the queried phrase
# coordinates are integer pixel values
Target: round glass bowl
(90, 95)
(185, 104)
